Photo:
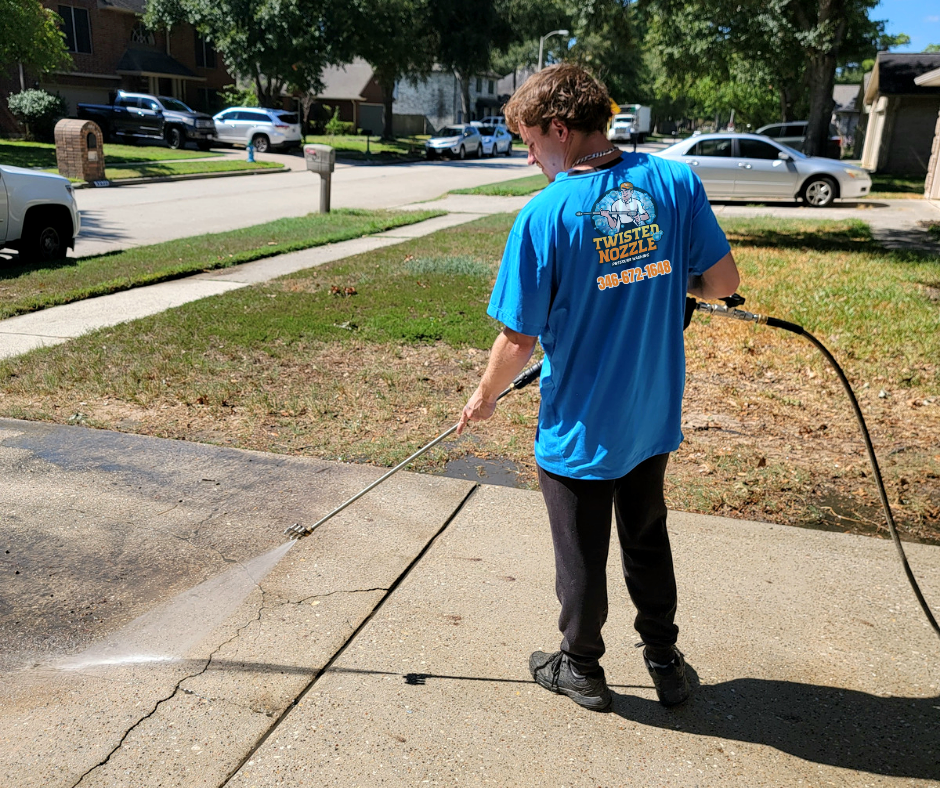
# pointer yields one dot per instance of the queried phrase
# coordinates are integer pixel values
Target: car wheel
(819, 192)
(431, 155)
(175, 138)
(45, 238)
(463, 153)
(480, 151)
(261, 143)
(509, 149)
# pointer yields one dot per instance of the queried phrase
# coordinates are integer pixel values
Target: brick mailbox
(78, 149)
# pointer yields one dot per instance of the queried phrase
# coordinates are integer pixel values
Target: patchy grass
(352, 146)
(41, 155)
(28, 289)
(897, 187)
(297, 366)
(169, 168)
(518, 187)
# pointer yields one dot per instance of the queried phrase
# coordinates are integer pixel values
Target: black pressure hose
(728, 310)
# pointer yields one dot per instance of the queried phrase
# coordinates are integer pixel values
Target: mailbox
(78, 149)
(320, 158)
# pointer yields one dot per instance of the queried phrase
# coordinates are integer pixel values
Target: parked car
(265, 129)
(140, 116)
(460, 140)
(747, 166)
(38, 213)
(794, 135)
(496, 139)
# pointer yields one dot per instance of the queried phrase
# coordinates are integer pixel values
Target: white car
(496, 139)
(38, 214)
(460, 140)
(747, 166)
(266, 129)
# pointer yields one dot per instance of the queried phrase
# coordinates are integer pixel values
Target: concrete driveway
(152, 637)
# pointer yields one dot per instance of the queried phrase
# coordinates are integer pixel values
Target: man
(608, 310)
(626, 209)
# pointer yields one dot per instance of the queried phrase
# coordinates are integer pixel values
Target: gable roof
(131, 6)
(845, 97)
(346, 82)
(153, 62)
(894, 74)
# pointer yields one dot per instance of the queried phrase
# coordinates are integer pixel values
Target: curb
(196, 176)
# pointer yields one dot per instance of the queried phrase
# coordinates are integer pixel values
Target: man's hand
(476, 409)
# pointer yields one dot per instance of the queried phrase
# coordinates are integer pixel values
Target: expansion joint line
(339, 652)
(176, 690)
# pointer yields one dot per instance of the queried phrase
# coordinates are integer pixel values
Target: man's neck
(586, 145)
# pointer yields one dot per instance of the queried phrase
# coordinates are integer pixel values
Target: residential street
(125, 216)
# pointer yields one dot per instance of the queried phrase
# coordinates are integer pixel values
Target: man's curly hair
(564, 91)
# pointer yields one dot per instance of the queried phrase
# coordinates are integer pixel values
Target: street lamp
(542, 42)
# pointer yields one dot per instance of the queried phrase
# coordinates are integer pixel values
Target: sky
(920, 19)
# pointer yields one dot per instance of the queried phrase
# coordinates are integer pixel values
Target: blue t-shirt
(597, 267)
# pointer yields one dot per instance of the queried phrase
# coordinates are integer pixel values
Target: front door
(762, 173)
(711, 160)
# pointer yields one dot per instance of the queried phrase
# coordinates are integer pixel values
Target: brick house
(111, 49)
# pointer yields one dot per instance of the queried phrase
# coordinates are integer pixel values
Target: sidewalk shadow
(891, 736)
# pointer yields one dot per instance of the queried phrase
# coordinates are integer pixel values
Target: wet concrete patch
(503, 473)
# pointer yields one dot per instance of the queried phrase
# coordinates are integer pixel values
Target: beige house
(932, 184)
(900, 115)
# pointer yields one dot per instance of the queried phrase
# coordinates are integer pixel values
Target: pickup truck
(38, 214)
(139, 116)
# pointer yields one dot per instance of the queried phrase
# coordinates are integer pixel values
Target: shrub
(38, 111)
(336, 126)
(234, 96)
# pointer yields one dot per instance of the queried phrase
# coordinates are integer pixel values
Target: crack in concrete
(178, 687)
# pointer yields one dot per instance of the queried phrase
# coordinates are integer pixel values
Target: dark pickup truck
(138, 116)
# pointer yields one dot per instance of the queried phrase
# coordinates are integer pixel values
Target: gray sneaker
(671, 682)
(553, 672)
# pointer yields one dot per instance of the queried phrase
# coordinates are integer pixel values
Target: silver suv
(266, 129)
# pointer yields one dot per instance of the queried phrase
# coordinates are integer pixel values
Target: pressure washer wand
(297, 531)
(729, 309)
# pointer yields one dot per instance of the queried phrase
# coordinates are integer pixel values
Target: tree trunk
(388, 98)
(464, 96)
(822, 71)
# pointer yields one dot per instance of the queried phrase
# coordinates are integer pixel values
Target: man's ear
(559, 129)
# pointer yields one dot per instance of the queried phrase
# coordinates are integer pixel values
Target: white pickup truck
(38, 214)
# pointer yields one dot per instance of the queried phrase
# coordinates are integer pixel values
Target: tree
(276, 44)
(796, 44)
(397, 43)
(932, 48)
(30, 36)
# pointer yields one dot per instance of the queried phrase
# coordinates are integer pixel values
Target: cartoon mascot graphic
(622, 209)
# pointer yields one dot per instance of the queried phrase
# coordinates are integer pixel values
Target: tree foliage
(793, 47)
(30, 34)
(276, 44)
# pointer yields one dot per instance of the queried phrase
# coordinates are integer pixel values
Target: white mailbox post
(321, 159)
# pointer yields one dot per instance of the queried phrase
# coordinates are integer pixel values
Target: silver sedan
(750, 166)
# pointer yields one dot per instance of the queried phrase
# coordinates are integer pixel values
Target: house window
(141, 35)
(205, 54)
(491, 87)
(479, 85)
(76, 29)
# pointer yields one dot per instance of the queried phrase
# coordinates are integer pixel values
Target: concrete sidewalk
(59, 324)
(390, 647)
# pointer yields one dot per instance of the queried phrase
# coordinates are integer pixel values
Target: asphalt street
(125, 216)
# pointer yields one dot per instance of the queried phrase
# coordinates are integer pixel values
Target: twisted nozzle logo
(625, 219)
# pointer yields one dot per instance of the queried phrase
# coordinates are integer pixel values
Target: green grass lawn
(41, 155)
(167, 168)
(896, 187)
(367, 358)
(518, 187)
(28, 289)
(352, 146)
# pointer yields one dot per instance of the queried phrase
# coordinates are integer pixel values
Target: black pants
(580, 515)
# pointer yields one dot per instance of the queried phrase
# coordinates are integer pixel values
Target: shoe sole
(588, 702)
